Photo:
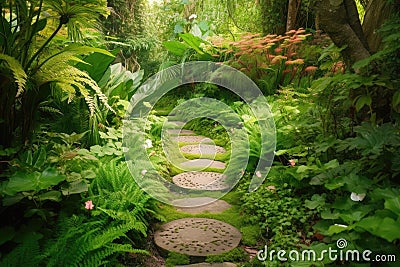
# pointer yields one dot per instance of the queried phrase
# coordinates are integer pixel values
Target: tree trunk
(345, 31)
(293, 7)
(376, 13)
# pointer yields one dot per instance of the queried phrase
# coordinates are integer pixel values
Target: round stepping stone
(180, 132)
(198, 205)
(203, 149)
(201, 180)
(204, 163)
(192, 139)
(197, 236)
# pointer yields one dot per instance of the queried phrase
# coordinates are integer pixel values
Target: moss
(235, 255)
(250, 234)
(176, 259)
(219, 157)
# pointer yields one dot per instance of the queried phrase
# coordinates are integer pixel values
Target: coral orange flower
(298, 61)
(290, 32)
(310, 69)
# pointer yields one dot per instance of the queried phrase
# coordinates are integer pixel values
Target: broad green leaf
(334, 183)
(363, 100)
(328, 215)
(75, 187)
(88, 174)
(386, 228)
(357, 184)
(302, 168)
(331, 164)
(51, 195)
(193, 41)
(176, 48)
(21, 181)
(335, 229)
(393, 204)
(352, 216)
(316, 201)
(49, 177)
(98, 64)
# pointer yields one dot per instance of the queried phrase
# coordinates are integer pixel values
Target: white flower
(193, 16)
(258, 174)
(148, 144)
(144, 172)
(357, 197)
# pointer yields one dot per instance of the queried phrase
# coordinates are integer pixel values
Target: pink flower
(292, 162)
(258, 174)
(89, 205)
(144, 172)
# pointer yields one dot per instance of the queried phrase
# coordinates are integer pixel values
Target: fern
(118, 196)
(18, 72)
(87, 243)
(58, 68)
(25, 254)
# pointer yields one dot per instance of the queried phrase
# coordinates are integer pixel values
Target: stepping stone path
(198, 236)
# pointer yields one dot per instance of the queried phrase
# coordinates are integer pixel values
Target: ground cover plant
(68, 181)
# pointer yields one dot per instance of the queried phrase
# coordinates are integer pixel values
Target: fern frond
(58, 68)
(17, 70)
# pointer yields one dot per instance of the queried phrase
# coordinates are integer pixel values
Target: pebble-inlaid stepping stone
(203, 163)
(197, 236)
(198, 205)
(201, 180)
(203, 149)
(180, 132)
(192, 139)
